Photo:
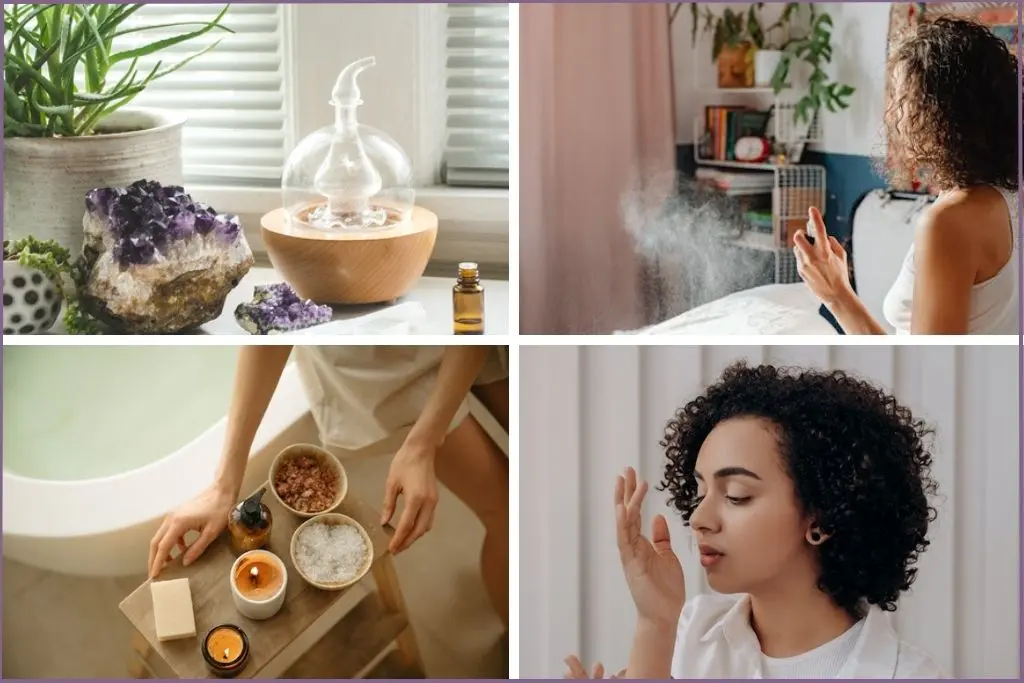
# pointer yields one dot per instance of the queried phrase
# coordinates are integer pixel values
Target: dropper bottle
(347, 178)
(468, 301)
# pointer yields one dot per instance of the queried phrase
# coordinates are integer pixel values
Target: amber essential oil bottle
(250, 523)
(468, 301)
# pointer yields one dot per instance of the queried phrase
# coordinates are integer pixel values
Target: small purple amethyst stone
(277, 308)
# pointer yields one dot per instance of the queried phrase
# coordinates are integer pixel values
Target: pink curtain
(596, 109)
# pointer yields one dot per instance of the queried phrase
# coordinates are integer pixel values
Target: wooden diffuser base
(350, 267)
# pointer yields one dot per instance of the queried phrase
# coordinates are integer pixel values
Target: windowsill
(472, 222)
(464, 205)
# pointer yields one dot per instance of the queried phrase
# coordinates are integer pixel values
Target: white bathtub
(101, 526)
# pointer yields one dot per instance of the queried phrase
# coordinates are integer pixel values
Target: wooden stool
(313, 636)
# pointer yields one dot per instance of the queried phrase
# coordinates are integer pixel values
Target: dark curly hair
(858, 459)
(956, 112)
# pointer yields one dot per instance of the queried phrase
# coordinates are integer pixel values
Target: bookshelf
(789, 189)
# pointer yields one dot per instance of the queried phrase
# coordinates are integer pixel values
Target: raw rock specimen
(276, 308)
(157, 261)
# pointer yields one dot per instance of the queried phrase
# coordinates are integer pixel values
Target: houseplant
(736, 37)
(775, 50)
(67, 81)
(40, 277)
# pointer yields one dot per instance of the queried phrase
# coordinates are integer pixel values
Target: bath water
(81, 412)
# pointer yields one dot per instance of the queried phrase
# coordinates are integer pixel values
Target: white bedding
(770, 309)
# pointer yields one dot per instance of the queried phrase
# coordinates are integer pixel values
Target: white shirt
(994, 305)
(715, 640)
(365, 399)
(824, 661)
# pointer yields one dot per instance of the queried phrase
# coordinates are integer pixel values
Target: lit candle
(257, 577)
(258, 581)
(226, 650)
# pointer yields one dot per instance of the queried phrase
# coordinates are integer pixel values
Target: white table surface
(433, 293)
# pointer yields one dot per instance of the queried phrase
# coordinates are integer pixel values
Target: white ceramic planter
(31, 300)
(45, 179)
(765, 63)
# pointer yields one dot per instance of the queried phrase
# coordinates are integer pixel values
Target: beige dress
(365, 399)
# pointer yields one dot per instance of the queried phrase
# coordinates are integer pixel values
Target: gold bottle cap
(468, 269)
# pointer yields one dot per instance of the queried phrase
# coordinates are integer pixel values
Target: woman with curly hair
(807, 495)
(953, 112)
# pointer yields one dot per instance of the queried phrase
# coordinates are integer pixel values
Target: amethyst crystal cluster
(157, 261)
(275, 309)
(146, 218)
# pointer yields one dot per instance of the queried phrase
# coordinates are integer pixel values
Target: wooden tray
(313, 636)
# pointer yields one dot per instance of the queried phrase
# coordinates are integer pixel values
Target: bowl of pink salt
(307, 480)
(331, 551)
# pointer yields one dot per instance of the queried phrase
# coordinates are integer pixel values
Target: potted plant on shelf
(773, 51)
(67, 130)
(736, 36)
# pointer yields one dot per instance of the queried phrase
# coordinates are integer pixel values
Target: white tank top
(995, 303)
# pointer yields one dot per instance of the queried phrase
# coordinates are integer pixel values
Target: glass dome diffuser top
(348, 176)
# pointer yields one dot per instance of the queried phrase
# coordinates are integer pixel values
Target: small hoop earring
(815, 537)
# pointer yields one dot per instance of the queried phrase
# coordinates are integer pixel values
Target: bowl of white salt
(331, 551)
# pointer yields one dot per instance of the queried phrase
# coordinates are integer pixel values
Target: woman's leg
(472, 467)
(494, 396)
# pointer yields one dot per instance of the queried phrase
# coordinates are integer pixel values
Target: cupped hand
(822, 265)
(576, 669)
(411, 476)
(207, 513)
(653, 571)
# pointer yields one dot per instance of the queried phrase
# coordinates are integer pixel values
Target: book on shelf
(725, 124)
(735, 181)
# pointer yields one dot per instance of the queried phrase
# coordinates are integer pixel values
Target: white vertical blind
(588, 412)
(477, 116)
(233, 95)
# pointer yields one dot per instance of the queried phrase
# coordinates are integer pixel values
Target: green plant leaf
(22, 128)
(172, 69)
(85, 98)
(35, 75)
(168, 42)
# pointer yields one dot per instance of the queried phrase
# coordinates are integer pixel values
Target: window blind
(233, 95)
(477, 113)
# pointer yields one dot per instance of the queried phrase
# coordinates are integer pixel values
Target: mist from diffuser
(348, 176)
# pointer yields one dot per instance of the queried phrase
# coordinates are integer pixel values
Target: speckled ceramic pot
(31, 300)
(45, 179)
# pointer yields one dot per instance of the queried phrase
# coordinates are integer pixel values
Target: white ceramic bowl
(259, 609)
(31, 300)
(334, 519)
(323, 457)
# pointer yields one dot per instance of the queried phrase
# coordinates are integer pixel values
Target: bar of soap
(172, 609)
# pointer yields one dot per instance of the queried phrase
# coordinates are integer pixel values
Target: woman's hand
(207, 513)
(576, 669)
(653, 572)
(412, 476)
(822, 265)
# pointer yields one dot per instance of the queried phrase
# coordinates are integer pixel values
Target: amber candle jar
(226, 650)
